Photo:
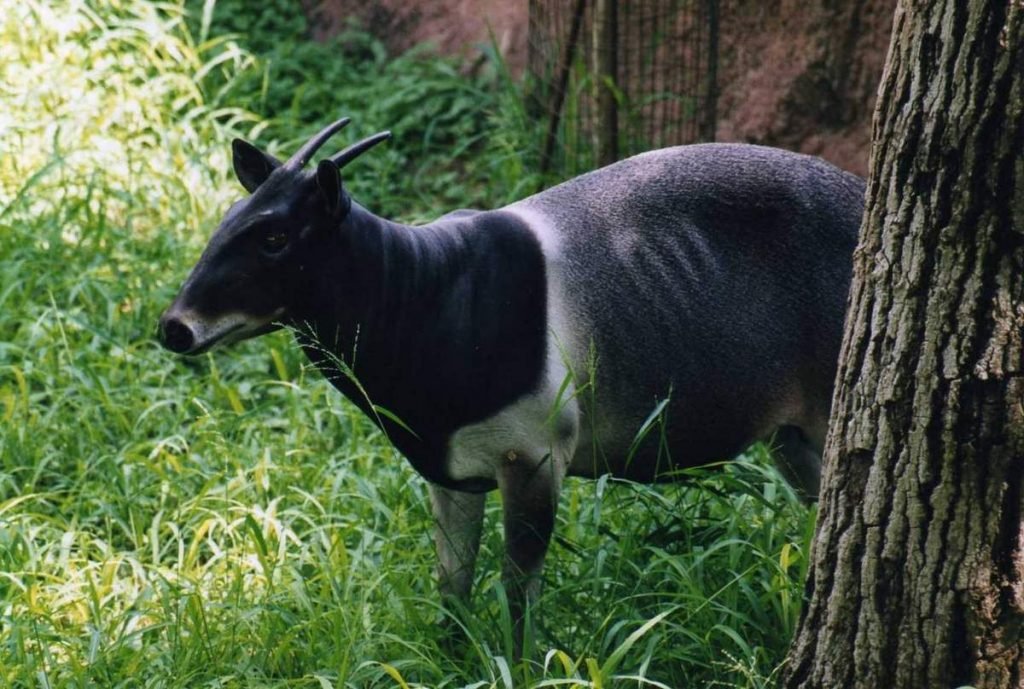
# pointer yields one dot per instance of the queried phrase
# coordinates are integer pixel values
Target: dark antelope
(519, 346)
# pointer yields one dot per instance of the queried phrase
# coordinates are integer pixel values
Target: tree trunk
(605, 49)
(917, 576)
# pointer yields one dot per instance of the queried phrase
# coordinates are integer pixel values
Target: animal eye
(274, 241)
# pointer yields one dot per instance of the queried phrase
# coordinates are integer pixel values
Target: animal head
(240, 287)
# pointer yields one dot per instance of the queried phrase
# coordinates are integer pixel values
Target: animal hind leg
(798, 460)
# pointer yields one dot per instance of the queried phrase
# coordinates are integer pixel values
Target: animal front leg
(459, 518)
(529, 491)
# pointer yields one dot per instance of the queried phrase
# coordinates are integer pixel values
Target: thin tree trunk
(605, 74)
(560, 88)
(917, 577)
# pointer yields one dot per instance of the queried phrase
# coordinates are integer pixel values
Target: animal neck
(441, 325)
(369, 298)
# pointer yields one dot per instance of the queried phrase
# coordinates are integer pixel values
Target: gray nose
(175, 335)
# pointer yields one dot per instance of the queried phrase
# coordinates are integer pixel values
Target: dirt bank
(792, 74)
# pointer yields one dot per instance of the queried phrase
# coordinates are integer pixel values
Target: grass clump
(231, 521)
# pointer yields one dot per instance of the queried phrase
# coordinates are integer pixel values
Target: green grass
(231, 521)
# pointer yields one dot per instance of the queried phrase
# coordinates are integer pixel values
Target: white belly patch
(530, 429)
(543, 423)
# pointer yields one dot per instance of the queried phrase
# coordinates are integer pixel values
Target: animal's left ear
(328, 179)
(252, 166)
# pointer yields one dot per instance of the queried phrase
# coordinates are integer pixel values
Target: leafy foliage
(442, 119)
(230, 521)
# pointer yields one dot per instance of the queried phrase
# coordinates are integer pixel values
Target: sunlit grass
(231, 521)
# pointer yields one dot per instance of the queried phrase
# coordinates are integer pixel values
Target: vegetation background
(231, 521)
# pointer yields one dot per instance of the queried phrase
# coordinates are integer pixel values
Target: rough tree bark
(917, 577)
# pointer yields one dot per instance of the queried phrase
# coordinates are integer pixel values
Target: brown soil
(803, 76)
(454, 27)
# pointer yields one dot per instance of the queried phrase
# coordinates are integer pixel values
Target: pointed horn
(302, 156)
(357, 149)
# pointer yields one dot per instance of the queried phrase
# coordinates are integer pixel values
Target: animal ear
(252, 166)
(328, 179)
